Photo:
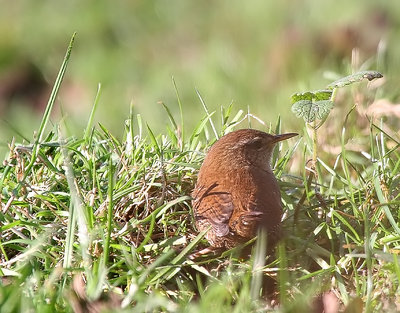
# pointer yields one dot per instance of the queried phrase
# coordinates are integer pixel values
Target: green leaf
(323, 94)
(357, 77)
(308, 95)
(310, 111)
(312, 95)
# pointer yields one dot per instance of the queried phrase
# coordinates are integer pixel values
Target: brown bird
(236, 191)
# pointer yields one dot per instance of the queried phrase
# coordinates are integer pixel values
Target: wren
(236, 191)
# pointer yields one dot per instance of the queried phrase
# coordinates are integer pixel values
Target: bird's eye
(256, 143)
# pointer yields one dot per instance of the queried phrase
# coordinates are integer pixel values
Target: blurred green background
(252, 53)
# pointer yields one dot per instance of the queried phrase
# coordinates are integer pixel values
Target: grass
(96, 222)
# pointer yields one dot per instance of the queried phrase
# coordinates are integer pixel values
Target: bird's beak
(281, 137)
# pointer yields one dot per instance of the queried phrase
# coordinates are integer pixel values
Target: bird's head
(248, 147)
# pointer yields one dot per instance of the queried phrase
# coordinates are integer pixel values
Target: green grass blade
(49, 106)
(182, 131)
(208, 114)
(91, 117)
(153, 140)
(110, 215)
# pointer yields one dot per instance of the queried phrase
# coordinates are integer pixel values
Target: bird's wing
(216, 208)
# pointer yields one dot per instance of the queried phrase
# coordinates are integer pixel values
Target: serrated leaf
(323, 94)
(324, 107)
(300, 106)
(302, 96)
(357, 77)
(310, 111)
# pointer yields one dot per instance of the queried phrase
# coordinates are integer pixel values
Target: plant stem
(315, 141)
